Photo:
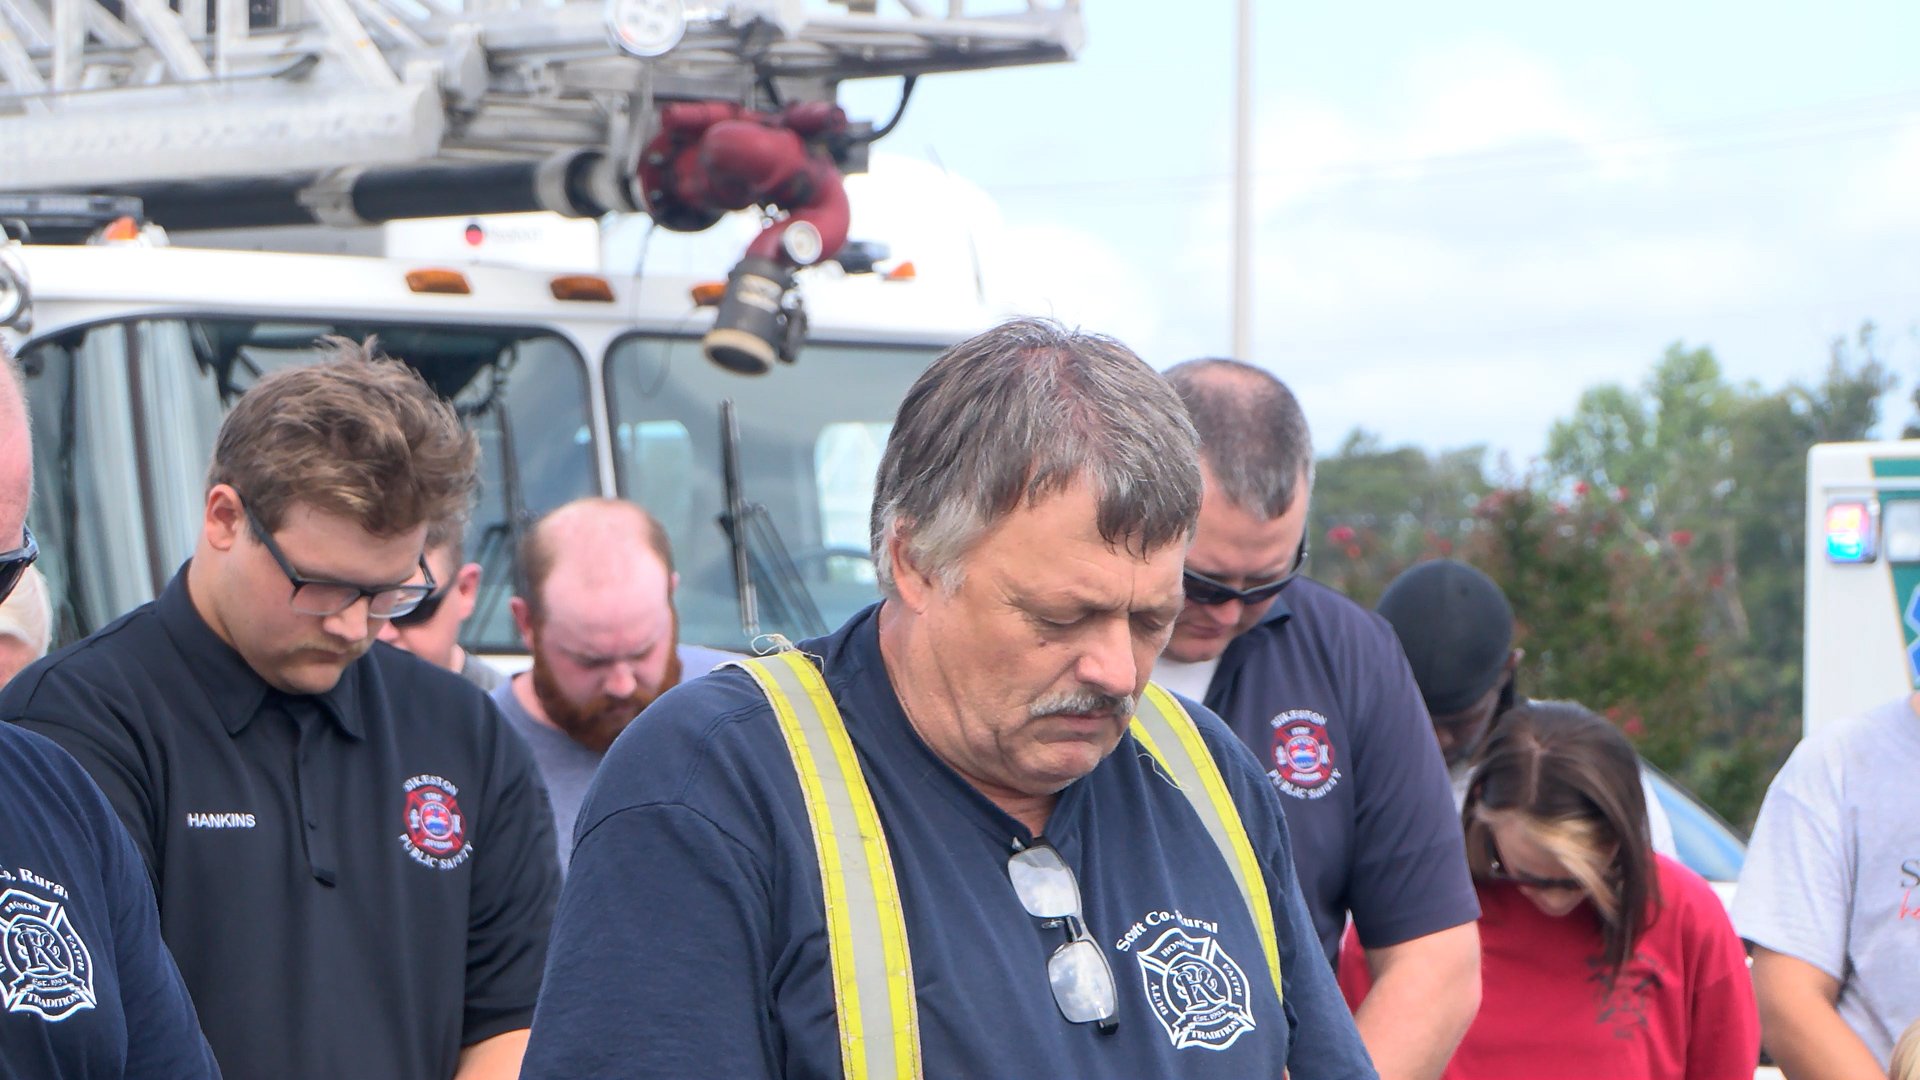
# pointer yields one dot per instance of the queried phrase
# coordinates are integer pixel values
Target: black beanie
(1456, 627)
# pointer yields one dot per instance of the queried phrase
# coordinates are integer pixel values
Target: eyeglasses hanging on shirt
(1082, 980)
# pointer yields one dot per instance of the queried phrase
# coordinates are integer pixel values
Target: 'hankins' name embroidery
(201, 820)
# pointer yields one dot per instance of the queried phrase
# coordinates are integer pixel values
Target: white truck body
(1862, 645)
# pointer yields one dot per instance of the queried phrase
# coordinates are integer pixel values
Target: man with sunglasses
(431, 631)
(1318, 688)
(1025, 881)
(352, 853)
(87, 987)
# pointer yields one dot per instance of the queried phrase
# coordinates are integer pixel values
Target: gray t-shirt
(566, 766)
(1833, 874)
(480, 673)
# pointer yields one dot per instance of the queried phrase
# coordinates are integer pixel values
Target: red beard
(597, 722)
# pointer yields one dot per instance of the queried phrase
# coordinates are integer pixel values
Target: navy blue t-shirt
(690, 940)
(87, 988)
(1321, 693)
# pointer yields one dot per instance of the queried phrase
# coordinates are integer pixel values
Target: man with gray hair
(1319, 689)
(961, 836)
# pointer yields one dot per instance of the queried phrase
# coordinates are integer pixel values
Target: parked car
(1707, 844)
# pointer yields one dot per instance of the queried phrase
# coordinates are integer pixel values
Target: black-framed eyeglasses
(14, 563)
(1078, 971)
(1207, 592)
(318, 596)
(424, 611)
(1498, 871)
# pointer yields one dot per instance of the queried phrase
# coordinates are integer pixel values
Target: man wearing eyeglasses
(352, 853)
(87, 987)
(431, 631)
(1318, 688)
(961, 836)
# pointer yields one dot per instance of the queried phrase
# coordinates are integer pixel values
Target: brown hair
(358, 434)
(538, 553)
(1573, 778)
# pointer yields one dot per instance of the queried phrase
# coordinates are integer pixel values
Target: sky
(1466, 214)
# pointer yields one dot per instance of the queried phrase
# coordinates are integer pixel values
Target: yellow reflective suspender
(866, 930)
(1162, 725)
(866, 926)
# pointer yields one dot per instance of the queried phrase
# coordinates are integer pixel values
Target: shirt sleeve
(1409, 876)
(105, 747)
(1723, 1036)
(515, 884)
(659, 958)
(1326, 1045)
(1796, 888)
(163, 1031)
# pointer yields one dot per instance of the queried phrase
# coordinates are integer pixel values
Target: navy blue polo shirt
(87, 988)
(356, 884)
(1321, 693)
(690, 940)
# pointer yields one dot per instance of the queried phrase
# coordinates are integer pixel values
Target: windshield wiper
(761, 558)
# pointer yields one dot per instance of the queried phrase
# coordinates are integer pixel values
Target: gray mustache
(1083, 701)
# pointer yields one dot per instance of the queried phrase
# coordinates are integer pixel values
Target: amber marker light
(451, 282)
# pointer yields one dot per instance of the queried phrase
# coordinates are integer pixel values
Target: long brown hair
(1569, 773)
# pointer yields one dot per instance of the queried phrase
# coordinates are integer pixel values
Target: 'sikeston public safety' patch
(1302, 759)
(436, 832)
(47, 968)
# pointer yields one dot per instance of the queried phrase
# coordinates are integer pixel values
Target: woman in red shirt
(1599, 958)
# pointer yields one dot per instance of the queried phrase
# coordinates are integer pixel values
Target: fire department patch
(1303, 764)
(1197, 991)
(436, 834)
(47, 968)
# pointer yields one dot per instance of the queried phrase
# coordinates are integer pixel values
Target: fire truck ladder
(227, 112)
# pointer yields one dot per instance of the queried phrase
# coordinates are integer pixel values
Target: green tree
(1378, 510)
(1658, 553)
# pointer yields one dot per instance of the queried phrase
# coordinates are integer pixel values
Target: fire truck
(155, 144)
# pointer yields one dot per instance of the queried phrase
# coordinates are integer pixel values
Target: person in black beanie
(1457, 629)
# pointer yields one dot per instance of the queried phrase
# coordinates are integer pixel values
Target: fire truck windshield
(125, 414)
(811, 435)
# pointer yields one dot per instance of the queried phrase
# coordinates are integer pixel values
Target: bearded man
(595, 608)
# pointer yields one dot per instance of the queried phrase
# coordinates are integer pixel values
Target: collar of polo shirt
(234, 689)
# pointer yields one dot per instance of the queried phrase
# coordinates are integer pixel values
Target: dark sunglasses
(1207, 592)
(1082, 981)
(422, 612)
(14, 563)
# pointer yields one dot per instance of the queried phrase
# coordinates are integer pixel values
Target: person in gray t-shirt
(596, 613)
(1830, 898)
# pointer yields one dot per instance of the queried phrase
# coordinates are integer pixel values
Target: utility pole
(1243, 183)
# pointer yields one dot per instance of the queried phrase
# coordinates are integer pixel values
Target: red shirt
(1681, 1010)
